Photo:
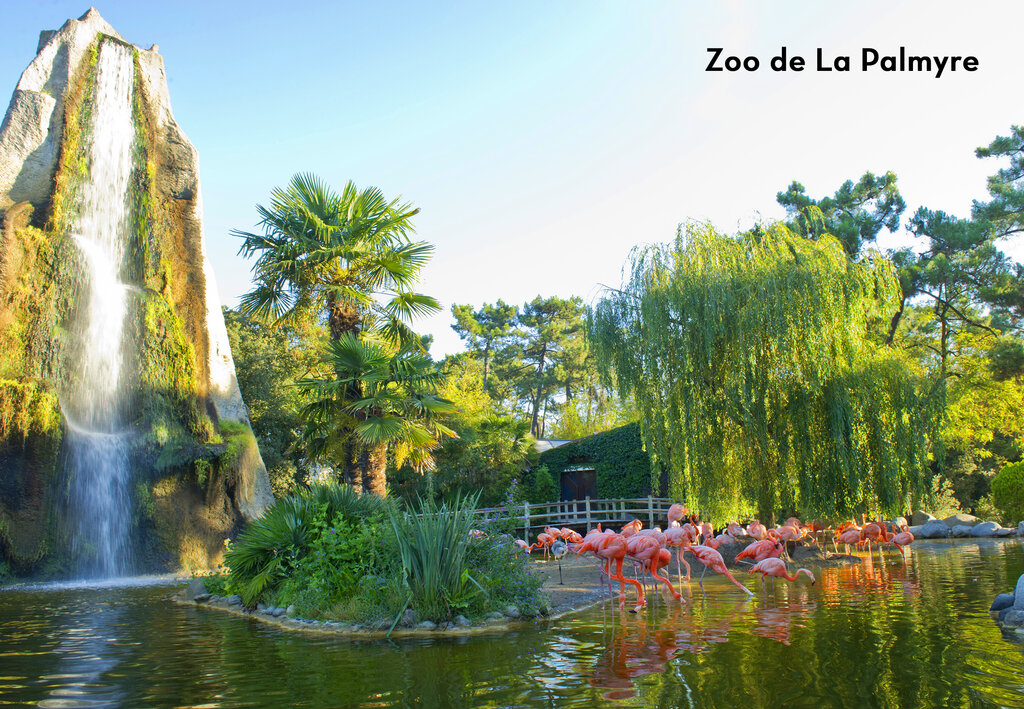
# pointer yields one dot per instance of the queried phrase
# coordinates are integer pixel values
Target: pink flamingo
(711, 558)
(706, 531)
(544, 541)
(777, 567)
(735, 530)
(718, 541)
(631, 528)
(571, 536)
(675, 513)
(522, 545)
(901, 539)
(757, 530)
(647, 550)
(612, 547)
(760, 550)
(679, 537)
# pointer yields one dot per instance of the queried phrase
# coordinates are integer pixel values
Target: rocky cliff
(196, 467)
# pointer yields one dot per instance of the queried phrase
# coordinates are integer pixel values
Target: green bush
(1008, 492)
(506, 574)
(544, 488)
(270, 548)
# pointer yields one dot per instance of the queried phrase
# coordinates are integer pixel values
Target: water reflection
(876, 634)
(86, 654)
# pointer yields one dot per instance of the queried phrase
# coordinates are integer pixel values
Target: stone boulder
(960, 530)
(1020, 529)
(985, 529)
(933, 530)
(1005, 532)
(196, 590)
(964, 519)
(1018, 594)
(1003, 600)
(920, 517)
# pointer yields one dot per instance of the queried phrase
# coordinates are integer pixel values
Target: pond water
(877, 634)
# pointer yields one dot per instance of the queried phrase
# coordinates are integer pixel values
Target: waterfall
(97, 446)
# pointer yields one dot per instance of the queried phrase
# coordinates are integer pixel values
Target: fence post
(650, 511)
(526, 522)
(588, 513)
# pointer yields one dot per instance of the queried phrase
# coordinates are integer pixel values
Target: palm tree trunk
(355, 465)
(342, 318)
(376, 480)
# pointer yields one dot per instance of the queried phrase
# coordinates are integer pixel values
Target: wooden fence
(586, 513)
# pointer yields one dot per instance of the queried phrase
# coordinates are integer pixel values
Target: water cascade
(97, 445)
(125, 446)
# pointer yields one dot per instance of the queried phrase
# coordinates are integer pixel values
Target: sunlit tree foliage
(753, 363)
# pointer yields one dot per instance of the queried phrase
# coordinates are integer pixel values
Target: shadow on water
(876, 634)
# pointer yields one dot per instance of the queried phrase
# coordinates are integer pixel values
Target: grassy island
(336, 555)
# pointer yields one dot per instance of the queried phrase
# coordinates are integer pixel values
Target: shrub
(270, 548)
(1008, 491)
(544, 487)
(507, 575)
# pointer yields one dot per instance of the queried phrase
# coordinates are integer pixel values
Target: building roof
(546, 444)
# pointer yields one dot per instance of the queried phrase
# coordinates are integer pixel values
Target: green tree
(344, 258)
(490, 451)
(1004, 212)
(549, 331)
(752, 362)
(544, 488)
(1008, 491)
(268, 362)
(396, 405)
(484, 330)
(854, 215)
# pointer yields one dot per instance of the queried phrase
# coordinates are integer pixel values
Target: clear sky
(543, 140)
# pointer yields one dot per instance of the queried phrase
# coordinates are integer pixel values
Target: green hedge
(618, 456)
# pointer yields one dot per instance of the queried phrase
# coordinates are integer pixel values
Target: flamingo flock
(650, 550)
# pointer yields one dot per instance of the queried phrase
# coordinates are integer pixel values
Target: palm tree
(345, 257)
(395, 404)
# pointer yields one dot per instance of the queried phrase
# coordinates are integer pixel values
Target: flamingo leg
(668, 584)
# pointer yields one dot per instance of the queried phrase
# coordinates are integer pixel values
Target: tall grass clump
(433, 543)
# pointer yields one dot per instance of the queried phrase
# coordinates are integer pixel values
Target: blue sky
(543, 140)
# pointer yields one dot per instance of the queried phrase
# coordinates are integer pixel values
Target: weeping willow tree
(752, 360)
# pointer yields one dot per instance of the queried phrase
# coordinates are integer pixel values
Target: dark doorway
(579, 484)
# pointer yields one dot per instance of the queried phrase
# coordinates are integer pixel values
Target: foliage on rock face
(41, 286)
(622, 467)
(1008, 492)
(751, 360)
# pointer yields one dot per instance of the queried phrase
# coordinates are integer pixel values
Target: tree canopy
(760, 384)
(346, 258)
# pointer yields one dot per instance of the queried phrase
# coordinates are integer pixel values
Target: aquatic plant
(433, 544)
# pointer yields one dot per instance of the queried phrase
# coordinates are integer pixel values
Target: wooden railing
(585, 513)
